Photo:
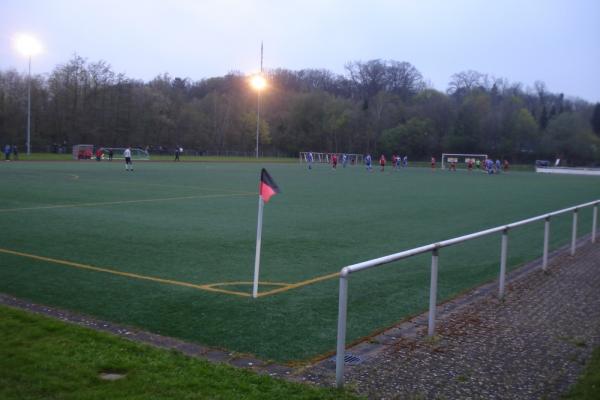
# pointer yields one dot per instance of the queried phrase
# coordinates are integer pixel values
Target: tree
(595, 121)
(377, 104)
(414, 138)
(465, 81)
(570, 137)
(469, 126)
(522, 137)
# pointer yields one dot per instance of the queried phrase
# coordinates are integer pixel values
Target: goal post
(461, 158)
(325, 158)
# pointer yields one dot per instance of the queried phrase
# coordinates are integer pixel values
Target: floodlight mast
(258, 82)
(28, 144)
(28, 46)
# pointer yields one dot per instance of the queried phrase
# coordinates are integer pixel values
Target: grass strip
(588, 385)
(44, 358)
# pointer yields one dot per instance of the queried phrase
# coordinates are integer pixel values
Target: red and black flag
(268, 187)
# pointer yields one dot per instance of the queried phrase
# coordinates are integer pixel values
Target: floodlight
(258, 82)
(27, 45)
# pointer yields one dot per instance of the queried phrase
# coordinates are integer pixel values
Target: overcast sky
(555, 41)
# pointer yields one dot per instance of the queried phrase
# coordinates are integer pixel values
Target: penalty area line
(211, 287)
(120, 273)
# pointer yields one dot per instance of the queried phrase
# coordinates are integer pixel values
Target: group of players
(488, 165)
(397, 162)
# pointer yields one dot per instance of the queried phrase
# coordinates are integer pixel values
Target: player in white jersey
(127, 155)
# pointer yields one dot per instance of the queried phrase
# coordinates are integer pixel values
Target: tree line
(377, 106)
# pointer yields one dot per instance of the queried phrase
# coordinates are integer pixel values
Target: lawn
(44, 358)
(588, 384)
(170, 246)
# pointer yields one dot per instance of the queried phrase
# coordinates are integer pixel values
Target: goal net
(325, 158)
(87, 152)
(461, 159)
(136, 153)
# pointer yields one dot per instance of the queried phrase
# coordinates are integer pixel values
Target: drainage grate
(351, 359)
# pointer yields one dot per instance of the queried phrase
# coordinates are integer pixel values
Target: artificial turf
(196, 223)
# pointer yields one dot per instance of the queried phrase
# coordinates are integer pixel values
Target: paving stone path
(531, 345)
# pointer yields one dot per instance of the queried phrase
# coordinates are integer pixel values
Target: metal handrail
(434, 249)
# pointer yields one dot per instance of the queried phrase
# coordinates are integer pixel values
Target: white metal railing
(434, 249)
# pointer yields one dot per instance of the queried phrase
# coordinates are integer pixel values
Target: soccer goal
(461, 158)
(83, 151)
(136, 153)
(325, 158)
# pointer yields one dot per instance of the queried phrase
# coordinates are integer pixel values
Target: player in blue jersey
(309, 160)
(489, 166)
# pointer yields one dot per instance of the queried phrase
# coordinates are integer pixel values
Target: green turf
(588, 384)
(202, 229)
(45, 359)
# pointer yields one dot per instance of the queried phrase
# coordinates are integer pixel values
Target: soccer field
(170, 246)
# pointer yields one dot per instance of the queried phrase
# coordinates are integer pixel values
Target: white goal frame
(464, 156)
(325, 158)
(136, 153)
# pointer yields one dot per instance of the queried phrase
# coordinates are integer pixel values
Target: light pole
(258, 83)
(28, 46)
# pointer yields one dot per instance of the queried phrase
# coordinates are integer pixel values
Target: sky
(554, 41)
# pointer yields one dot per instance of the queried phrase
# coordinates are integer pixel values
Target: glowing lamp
(258, 82)
(27, 45)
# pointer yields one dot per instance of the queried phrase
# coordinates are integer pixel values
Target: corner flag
(268, 187)
(266, 190)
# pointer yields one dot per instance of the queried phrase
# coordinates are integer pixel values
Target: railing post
(594, 222)
(546, 240)
(341, 336)
(503, 251)
(433, 291)
(574, 234)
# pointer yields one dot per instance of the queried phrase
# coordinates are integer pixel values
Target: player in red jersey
(382, 162)
(334, 161)
(433, 163)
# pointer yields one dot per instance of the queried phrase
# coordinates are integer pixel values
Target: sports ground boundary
(368, 352)
(532, 344)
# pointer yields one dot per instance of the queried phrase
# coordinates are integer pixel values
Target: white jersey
(127, 153)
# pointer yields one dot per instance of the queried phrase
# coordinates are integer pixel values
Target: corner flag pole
(267, 189)
(261, 204)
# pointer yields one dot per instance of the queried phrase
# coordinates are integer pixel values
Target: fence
(434, 249)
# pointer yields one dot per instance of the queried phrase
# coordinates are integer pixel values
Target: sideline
(110, 203)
